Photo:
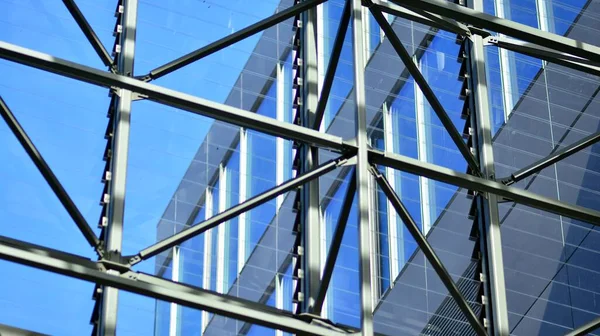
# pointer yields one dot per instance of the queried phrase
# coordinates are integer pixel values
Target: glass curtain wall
(527, 103)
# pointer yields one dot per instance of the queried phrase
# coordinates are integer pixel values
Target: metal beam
(310, 210)
(544, 53)
(586, 328)
(49, 176)
(488, 206)
(471, 182)
(89, 33)
(336, 243)
(517, 30)
(151, 286)
(362, 174)
(426, 89)
(554, 157)
(247, 205)
(423, 17)
(428, 251)
(336, 51)
(171, 98)
(285, 130)
(232, 38)
(115, 212)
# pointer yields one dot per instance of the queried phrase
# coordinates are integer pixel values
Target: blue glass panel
(374, 34)
(257, 330)
(343, 299)
(163, 309)
(524, 11)
(191, 255)
(288, 115)
(231, 227)
(495, 91)
(262, 170)
(565, 14)
(200, 215)
(344, 76)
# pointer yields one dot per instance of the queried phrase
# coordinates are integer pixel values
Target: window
(262, 172)
(232, 197)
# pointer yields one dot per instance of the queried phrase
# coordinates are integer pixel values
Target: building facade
(550, 266)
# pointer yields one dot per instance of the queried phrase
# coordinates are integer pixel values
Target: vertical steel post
(120, 148)
(489, 204)
(362, 172)
(310, 192)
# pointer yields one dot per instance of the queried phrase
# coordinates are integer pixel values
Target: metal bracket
(113, 260)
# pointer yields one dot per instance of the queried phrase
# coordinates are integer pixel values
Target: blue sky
(66, 120)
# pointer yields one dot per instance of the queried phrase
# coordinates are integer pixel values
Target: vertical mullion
(222, 231)
(362, 174)
(493, 255)
(120, 146)
(280, 142)
(424, 145)
(545, 15)
(243, 191)
(388, 136)
(279, 297)
(507, 64)
(175, 277)
(207, 252)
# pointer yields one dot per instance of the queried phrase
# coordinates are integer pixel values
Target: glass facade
(551, 262)
(402, 121)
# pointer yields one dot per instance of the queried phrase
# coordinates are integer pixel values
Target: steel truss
(113, 270)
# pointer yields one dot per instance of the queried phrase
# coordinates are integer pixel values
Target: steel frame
(114, 271)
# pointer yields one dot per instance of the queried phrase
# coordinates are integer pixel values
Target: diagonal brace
(336, 243)
(553, 158)
(586, 328)
(426, 89)
(226, 215)
(428, 251)
(49, 176)
(89, 33)
(333, 63)
(231, 39)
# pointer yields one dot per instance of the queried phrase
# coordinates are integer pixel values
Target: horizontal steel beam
(232, 38)
(520, 31)
(471, 182)
(428, 251)
(89, 33)
(170, 97)
(247, 205)
(154, 287)
(49, 176)
(552, 56)
(420, 16)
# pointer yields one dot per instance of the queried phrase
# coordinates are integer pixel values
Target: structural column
(362, 173)
(309, 157)
(488, 205)
(120, 147)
